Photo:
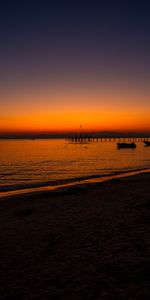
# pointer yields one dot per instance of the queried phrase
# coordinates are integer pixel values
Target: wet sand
(85, 242)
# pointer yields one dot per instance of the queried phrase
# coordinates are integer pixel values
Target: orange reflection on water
(26, 163)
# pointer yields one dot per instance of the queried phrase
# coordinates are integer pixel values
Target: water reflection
(27, 162)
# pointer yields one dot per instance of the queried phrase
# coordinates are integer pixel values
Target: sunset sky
(63, 64)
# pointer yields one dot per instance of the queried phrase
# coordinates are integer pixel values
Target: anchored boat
(126, 145)
(147, 143)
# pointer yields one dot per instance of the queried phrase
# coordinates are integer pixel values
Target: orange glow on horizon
(71, 121)
(62, 111)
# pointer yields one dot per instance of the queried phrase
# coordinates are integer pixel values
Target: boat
(126, 145)
(147, 143)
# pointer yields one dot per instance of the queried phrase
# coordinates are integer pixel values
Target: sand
(89, 242)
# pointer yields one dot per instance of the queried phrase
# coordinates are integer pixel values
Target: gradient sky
(63, 64)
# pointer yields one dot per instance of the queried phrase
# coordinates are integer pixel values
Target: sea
(25, 164)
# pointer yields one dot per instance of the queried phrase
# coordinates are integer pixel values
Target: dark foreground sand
(85, 243)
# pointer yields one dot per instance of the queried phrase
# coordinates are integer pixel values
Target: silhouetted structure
(126, 145)
(78, 138)
(147, 143)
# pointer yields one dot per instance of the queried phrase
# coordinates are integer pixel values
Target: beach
(85, 242)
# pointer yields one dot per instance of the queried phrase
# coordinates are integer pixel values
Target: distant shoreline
(103, 134)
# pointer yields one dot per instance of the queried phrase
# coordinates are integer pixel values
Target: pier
(89, 138)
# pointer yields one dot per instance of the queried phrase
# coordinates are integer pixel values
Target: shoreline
(80, 243)
(71, 183)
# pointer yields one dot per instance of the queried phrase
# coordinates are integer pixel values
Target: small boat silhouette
(147, 143)
(126, 145)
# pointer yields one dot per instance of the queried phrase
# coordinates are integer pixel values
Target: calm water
(25, 163)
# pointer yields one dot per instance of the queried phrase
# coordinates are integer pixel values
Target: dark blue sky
(103, 36)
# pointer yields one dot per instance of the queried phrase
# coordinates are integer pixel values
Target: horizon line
(104, 133)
